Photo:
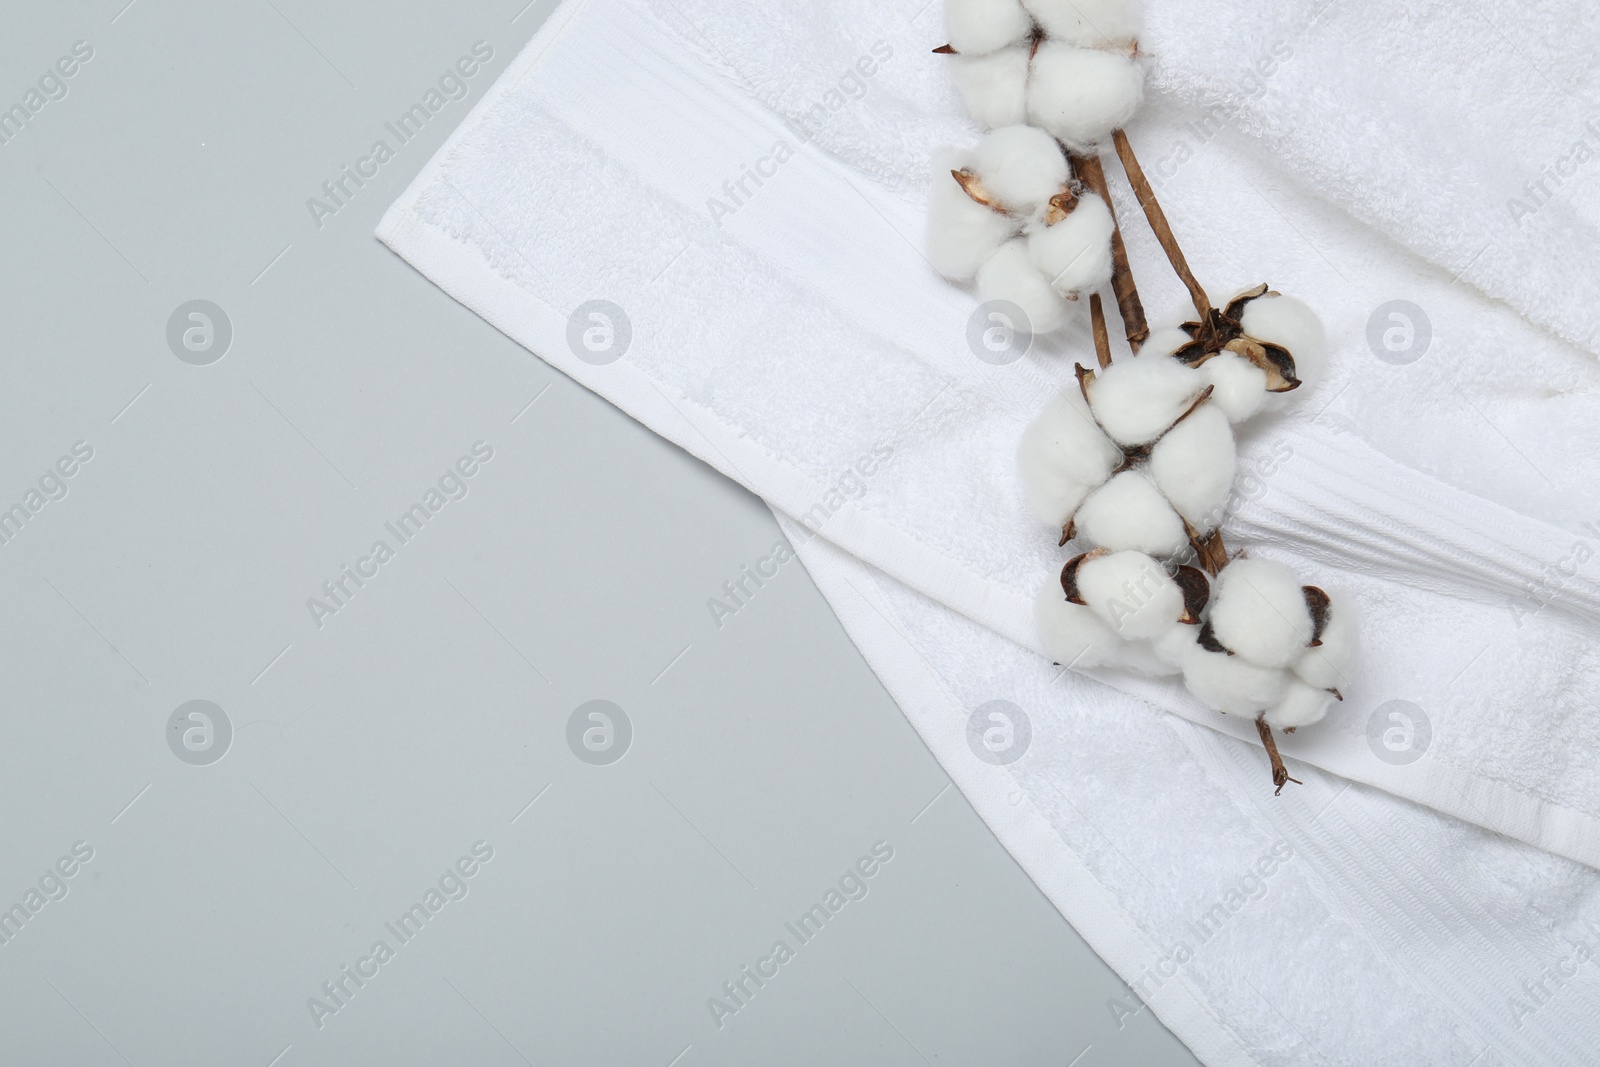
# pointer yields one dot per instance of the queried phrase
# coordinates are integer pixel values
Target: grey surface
(431, 711)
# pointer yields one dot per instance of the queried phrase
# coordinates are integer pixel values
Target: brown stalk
(1092, 174)
(1280, 773)
(1159, 224)
(1102, 337)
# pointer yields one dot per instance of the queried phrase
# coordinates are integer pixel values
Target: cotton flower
(1072, 633)
(1021, 167)
(1232, 684)
(1300, 705)
(1017, 179)
(1260, 612)
(1120, 609)
(1271, 647)
(1009, 274)
(1063, 455)
(1131, 592)
(994, 86)
(1081, 94)
(1137, 400)
(1129, 512)
(1110, 24)
(1074, 253)
(1173, 648)
(1239, 387)
(1277, 334)
(1284, 321)
(962, 233)
(977, 27)
(1148, 467)
(1327, 664)
(1194, 465)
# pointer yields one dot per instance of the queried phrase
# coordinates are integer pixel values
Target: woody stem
(1280, 773)
(1102, 337)
(1159, 224)
(1092, 174)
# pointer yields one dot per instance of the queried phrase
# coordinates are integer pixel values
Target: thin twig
(1102, 337)
(1092, 174)
(1159, 224)
(1280, 773)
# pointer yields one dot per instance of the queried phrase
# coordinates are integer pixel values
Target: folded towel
(1347, 927)
(711, 215)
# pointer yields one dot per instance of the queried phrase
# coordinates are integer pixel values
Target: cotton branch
(1159, 224)
(1280, 773)
(1089, 170)
(1102, 337)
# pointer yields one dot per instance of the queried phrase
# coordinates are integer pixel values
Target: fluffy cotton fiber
(1258, 610)
(1022, 166)
(1131, 593)
(1194, 465)
(1128, 512)
(1328, 665)
(1289, 323)
(977, 27)
(1009, 274)
(1239, 386)
(962, 233)
(1089, 23)
(1232, 684)
(1072, 634)
(995, 86)
(1137, 400)
(1081, 94)
(1075, 253)
(1173, 648)
(1164, 342)
(1063, 455)
(1300, 705)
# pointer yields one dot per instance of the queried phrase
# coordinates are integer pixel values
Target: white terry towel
(746, 185)
(1349, 927)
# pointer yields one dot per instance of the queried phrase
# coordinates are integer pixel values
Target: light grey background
(431, 710)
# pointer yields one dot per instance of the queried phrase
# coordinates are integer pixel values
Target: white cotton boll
(1132, 593)
(1073, 635)
(1194, 465)
(1066, 433)
(1232, 684)
(976, 27)
(1141, 658)
(1300, 705)
(1239, 386)
(1053, 496)
(1090, 23)
(962, 233)
(1022, 166)
(1009, 274)
(1063, 455)
(1174, 647)
(1164, 342)
(1075, 253)
(1291, 324)
(1129, 513)
(1081, 94)
(1258, 609)
(994, 86)
(1328, 666)
(1136, 400)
